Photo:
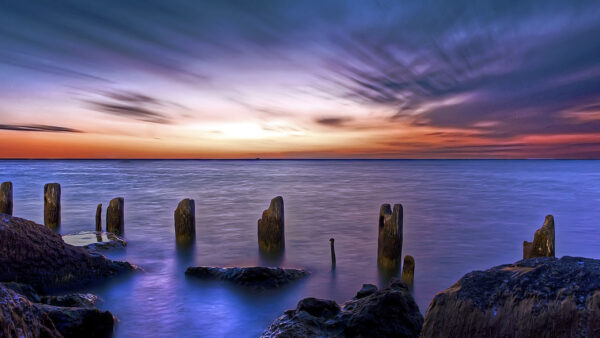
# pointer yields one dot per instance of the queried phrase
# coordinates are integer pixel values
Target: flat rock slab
(390, 312)
(33, 254)
(255, 277)
(536, 297)
(95, 241)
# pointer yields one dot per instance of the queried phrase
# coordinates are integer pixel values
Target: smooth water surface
(459, 216)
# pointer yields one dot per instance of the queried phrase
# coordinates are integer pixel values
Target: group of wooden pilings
(271, 234)
(115, 220)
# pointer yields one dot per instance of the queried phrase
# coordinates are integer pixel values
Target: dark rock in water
(95, 241)
(6, 198)
(115, 216)
(271, 235)
(52, 205)
(538, 297)
(35, 255)
(390, 312)
(366, 290)
(389, 245)
(99, 218)
(185, 222)
(255, 277)
(543, 241)
(80, 322)
(84, 300)
(408, 271)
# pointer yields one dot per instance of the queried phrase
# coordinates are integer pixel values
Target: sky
(299, 79)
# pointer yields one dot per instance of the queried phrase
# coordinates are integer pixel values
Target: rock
(67, 316)
(389, 245)
(319, 307)
(271, 227)
(81, 322)
(21, 318)
(52, 205)
(84, 300)
(115, 216)
(366, 290)
(543, 241)
(185, 222)
(537, 297)
(99, 218)
(35, 255)
(390, 312)
(256, 277)
(95, 241)
(6, 198)
(408, 271)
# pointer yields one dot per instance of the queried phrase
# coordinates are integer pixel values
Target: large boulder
(390, 312)
(538, 297)
(33, 254)
(24, 315)
(257, 277)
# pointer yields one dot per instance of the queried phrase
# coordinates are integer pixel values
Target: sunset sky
(300, 79)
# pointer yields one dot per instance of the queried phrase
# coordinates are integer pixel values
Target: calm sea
(459, 216)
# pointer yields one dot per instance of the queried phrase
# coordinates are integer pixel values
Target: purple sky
(372, 79)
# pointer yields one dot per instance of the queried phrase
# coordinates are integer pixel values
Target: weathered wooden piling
(52, 206)
(185, 222)
(115, 216)
(331, 241)
(543, 244)
(271, 227)
(99, 218)
(389, 246)
(6, 198)
(408, 271)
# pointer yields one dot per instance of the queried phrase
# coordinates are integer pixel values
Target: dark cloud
(132, 105)
(38, 128)
(333, 121)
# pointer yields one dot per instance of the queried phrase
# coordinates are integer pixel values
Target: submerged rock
(538, 297)
(95, 241)
(255, 277)
(543, 241)
(33, 254)
(390, 312)
(20, 316)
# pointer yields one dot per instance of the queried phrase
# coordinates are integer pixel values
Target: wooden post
(185, 222)
(52, 210)
(408, 271)
(331, 240)
(115, 216)
(99, 218)
(389, 246)
(271, 236)
(6, 198)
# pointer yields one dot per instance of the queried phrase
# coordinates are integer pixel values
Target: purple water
(459, 216)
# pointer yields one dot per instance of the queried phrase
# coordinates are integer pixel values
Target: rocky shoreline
(540, 296)
(35, 261)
